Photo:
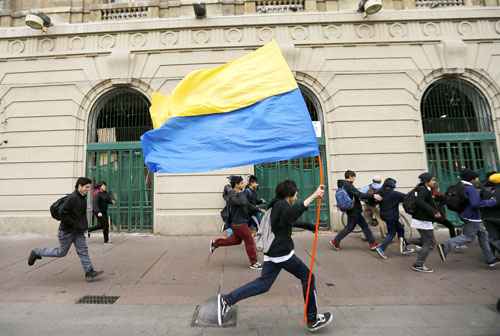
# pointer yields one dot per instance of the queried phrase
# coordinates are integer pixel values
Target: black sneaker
(322, 320)
(222, 309)
(257, 266)
(423, 269)
(32, 258)
(92, 275)
(494, 262)
(212, 246)
(442, 254)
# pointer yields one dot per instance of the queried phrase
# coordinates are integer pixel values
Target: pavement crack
(150, 267)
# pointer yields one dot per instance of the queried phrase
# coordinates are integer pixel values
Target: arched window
(120, 115)
(458, 130)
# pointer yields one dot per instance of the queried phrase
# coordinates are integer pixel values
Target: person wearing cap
(426, 212)
(239, 209)
(370, 211)
(491, 216)
(473, 225)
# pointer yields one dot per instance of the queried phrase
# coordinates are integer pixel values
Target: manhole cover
(205, 315)
(97, 299)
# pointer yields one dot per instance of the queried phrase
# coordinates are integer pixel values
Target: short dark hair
(349, 173)
(287, 188)
(82, 181)
(235, 180)
(252, 178)
(102, 183)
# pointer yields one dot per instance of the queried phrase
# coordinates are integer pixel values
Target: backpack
(56, 208)
(265, 236)
(225, 214)
(344, 201)
(455, 197)
(410, 202)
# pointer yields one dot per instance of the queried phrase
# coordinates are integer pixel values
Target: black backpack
(410, 202)
(455, 197)
(56, 208)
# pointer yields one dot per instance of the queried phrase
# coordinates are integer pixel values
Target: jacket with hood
(389, 206)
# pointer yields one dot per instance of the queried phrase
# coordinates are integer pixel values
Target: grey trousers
(65, 241)
(470, 231)
(428, 242)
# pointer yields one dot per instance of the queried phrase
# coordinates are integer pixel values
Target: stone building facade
(405, 90)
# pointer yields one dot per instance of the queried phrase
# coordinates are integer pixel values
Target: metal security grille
(452, 105)
(124, 117)
(100, 299)
(114, 155)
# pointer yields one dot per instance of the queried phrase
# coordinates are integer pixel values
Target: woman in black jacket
(281, 255)
(102, 201)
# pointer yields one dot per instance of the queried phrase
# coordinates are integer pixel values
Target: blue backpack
(344, 202)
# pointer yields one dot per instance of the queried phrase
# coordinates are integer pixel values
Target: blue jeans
(65, 241)
(270, 272)
(393, 227)
(470, 231)
(352, 220)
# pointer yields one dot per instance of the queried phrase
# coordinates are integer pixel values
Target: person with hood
(491, 216)
(285, 212)
(473, 225)
(239, 209)
(389, 212)
(426, 212)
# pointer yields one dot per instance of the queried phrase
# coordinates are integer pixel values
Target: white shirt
(281, 259)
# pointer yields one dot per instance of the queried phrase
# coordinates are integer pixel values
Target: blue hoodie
(475, 202)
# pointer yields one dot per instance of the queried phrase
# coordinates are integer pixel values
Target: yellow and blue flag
(248, 111)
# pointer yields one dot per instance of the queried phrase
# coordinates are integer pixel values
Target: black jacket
(389, 206)
(494, 212)
(74, 213)
(283, 217)
(101, 202)
(425, 208)
(240, 209)
(355, 195)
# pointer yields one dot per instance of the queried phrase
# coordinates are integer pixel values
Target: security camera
(369, 7)
(38, 21)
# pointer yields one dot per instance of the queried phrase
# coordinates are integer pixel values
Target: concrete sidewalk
(160, 278)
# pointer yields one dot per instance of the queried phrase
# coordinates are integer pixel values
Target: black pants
(449, 225)
(270, 272)
(352, 220)
(102, 223)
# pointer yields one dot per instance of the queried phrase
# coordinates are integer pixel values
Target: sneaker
(32, 258)
(423, 269)
(334, 245)
(373, 246)
(92, 275)
(256, 266)
(212, 246)
(222, 309)
(493, 263)
(402, 245)
(418, 248)
(407, 251)
(442, 254)
(380, 252)
(461, 247)
(322, 320)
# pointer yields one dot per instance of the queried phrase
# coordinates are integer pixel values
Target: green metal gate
(305, 172)
(114, 155)
(121, 165)
(458, 132)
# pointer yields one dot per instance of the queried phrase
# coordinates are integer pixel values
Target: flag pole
(315, 240)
